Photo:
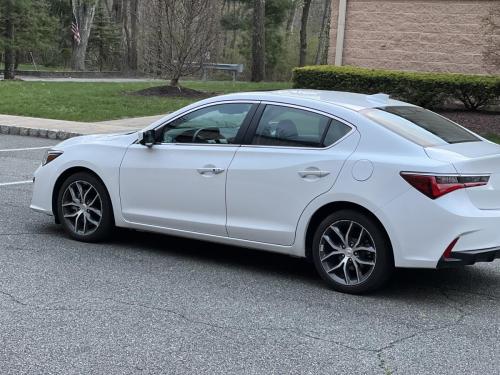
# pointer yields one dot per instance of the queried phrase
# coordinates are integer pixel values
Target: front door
(179, 183)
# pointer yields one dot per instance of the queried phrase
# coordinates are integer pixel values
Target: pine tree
(104, 43)
(24, 26)
(240, 18)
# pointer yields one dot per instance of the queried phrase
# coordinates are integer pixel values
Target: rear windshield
(419, 125)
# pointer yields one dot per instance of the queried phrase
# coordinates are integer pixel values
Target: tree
(324, 34)
(83, 12)
(9, 35)
(292, 13)
(233, 22)
(103, 49)
(133, 62)
(239, 20)
(185, 32)
(24, 25)
(60, 50)
(258, 40)
(125, 15)
(303, 32)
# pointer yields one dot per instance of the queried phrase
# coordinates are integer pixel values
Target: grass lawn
(76, 101)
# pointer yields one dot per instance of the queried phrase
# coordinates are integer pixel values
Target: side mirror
(147, 138)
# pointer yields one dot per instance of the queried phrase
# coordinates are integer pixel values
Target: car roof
(349, 100)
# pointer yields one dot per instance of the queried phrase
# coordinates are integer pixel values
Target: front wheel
(84, 208)
(352, 253)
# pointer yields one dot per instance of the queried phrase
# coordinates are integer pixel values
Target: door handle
(208, 170)
(314, 173)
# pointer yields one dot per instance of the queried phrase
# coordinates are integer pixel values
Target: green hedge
(428, 90)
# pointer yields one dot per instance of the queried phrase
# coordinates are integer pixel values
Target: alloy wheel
(347, 252)
(82, 207)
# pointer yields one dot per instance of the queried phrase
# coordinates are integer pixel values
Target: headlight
(51, 155)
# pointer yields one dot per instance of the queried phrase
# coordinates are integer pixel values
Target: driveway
(145, 303)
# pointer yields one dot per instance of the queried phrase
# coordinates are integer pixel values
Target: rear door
(292, 155)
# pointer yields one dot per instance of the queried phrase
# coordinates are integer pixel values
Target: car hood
(118, 138)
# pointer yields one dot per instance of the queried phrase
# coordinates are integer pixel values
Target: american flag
(75, 31)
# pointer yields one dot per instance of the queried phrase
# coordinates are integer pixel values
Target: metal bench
(235, 69)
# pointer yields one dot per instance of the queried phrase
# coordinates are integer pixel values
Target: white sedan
(359, 184)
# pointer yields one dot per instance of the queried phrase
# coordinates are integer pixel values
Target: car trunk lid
(474, 158)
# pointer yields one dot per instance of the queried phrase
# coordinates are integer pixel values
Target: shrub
(428, 90)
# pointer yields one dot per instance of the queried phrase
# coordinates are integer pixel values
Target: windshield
(419, 125)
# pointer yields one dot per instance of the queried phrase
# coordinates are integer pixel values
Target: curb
(36, 132)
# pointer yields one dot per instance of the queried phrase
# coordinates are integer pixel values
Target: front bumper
(466, 258)
(43, 186)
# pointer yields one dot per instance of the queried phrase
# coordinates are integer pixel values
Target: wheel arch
(60, 180)
(328, 209)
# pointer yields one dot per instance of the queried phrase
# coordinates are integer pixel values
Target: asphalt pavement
(150, 304)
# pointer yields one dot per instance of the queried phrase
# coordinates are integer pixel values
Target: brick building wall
(423, 35)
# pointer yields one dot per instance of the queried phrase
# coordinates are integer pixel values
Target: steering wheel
(197, 135)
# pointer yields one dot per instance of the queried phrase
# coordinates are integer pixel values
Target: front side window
(419, 125)
(217, 124)
(285, 126)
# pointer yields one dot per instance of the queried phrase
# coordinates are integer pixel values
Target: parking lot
(146, 303)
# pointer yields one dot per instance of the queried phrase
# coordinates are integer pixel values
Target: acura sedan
(359, 184)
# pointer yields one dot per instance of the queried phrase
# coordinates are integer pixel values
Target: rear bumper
(465, 258)
(421, 229)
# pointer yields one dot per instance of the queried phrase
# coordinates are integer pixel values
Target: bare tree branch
(187, 31)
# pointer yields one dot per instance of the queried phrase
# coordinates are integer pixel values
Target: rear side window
(419, 125)
(292, 127)
(336, 131)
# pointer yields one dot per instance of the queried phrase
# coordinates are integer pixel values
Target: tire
(93, 217)
(356, 260)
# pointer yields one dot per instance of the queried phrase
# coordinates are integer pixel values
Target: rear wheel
(84, 208)
(352, 253)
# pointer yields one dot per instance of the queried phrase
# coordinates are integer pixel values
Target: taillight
(437, 186)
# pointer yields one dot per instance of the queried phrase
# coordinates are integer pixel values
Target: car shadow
(218, 254)
(405, 282)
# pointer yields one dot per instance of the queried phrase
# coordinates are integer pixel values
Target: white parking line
(25, 149)
(16, 183)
